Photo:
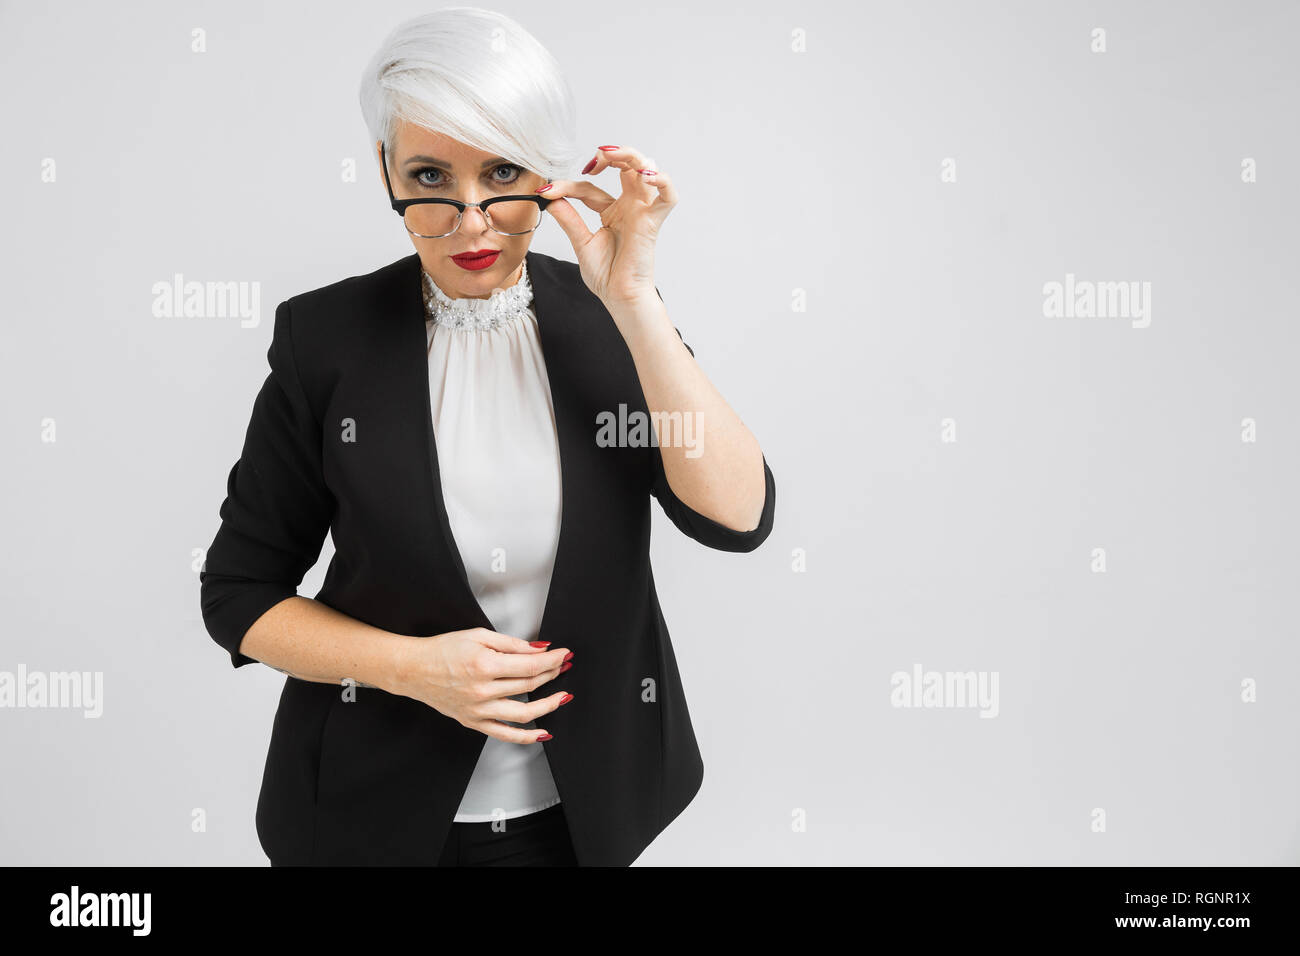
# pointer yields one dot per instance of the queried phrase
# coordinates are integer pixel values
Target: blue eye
(515, 171)
(513, 174)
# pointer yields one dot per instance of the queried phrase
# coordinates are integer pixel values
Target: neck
(487, 295)
(506, 304)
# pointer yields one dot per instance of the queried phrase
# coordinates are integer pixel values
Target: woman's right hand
(471, 675)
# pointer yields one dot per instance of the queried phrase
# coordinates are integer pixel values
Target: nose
(474, 220)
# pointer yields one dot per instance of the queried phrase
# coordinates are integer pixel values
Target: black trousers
(535, 839)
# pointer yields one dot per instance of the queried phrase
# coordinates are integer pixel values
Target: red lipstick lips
(479, 259)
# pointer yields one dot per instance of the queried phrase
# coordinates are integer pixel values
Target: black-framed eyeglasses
(428, 218)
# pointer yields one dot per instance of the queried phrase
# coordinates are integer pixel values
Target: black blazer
(379, 780)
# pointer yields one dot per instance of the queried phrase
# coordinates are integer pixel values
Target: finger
(630, 161)
(666, 192)
(508, 644)
(624, 158)
(572, 224)
(644, 174)
(506, 686)
(592, 196)
(508, 710)
(511, 735)
(498, 665)
(600, 161)
(589, 194)
(497, 641)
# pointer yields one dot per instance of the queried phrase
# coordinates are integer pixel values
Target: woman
(470, 422)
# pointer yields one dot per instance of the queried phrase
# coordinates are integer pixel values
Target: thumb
(569, 220)
(507, 644)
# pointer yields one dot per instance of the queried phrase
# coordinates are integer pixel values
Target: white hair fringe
(480, 78)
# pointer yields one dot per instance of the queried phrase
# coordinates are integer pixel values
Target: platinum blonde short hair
(480, 78)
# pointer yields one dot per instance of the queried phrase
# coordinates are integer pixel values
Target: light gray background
(815, 171)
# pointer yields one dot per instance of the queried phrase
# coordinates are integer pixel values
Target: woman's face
(422, 163)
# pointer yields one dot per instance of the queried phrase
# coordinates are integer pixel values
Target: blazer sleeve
(277, 509)
(703, 529)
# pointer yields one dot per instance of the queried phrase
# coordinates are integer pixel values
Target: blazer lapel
(556, 318)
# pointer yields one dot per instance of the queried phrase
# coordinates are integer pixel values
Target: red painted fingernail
(545, 737)
(566, 698)
(543, 188)
(564, 667)
(586, 169)
(648, 172)
(607, 147)
(569, 656)
(539, 643)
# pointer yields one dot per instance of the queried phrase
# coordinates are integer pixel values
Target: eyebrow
(442, 164)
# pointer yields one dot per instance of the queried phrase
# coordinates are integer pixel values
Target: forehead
(411, 140)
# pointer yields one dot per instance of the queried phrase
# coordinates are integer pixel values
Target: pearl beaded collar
(502, 306)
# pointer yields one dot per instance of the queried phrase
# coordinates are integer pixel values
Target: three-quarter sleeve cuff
(232, 605)
(722, 538)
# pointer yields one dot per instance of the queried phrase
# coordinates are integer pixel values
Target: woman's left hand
(617, 262)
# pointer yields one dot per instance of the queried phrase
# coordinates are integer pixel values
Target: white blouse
(499, 461)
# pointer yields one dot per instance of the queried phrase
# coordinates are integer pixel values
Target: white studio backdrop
(1006, 291)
